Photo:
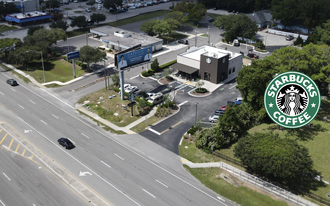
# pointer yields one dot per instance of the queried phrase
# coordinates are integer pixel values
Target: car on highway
(12, 82)
(213, 118)
(88, 10)
(183, 41)
(65, 143)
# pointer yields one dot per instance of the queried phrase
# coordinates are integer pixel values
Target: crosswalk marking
(4, 138)
(11, 142)
(17, 147)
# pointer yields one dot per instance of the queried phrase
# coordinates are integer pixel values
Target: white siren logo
(292, 99)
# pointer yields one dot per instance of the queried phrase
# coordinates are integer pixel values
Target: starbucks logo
(292, 99)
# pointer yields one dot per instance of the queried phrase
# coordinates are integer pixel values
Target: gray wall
(217, 68)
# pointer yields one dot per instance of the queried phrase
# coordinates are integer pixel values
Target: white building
(209, 63)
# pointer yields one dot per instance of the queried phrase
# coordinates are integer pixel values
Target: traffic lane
(28, 183)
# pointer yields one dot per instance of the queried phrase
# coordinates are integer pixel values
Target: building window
(229, 70)
(233, 69)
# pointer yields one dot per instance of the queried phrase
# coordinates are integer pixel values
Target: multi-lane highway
(121, 175)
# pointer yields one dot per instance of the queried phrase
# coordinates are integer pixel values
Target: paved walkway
(199, 165)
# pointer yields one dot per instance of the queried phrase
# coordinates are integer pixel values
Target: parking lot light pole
(195, 38)
(196, 113)
(118, 46)
(105, 73)
(42, 62)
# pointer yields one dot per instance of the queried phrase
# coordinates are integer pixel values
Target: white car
(239, 99)
(88, 10)
(131, 89)
(213, 118)
(150, 94)
(99, 6)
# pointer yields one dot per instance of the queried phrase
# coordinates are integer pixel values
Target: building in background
(208, 63)
(25, 5)
(27, 18)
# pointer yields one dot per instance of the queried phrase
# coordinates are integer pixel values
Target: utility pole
(196, 113)
(195, 38)
(208, 32)
(105, 74)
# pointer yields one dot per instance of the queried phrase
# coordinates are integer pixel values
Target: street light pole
(195, 38)
(42, 62)
(105, 74)
(118, 46)
(196, 113)
(208, 32)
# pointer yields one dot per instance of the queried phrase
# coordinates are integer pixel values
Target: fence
(319, 198)
(284, 33)
(229, 159)
(266, 186)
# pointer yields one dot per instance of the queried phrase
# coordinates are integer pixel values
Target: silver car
(213, 118)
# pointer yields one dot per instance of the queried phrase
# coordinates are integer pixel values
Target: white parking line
(106, 164)
(182, 103)
(161, 183)
(179, 86)
(43, 122)
(13, 89)
(54, 116)
(32, 102)
(172, 82)
(21, 106)
(182, 87)
(84, 135)
(232, 86)
(6, 176)
(2, 203)
(119, 156)
(149, 193)
(153, 78)
(154, 131)
(135, 77)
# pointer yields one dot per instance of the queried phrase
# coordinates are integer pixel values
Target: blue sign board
(72, 55)
(134, 57)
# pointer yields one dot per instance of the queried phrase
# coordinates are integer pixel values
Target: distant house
(262, 18)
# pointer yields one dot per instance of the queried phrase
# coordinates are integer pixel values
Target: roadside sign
(72, 55)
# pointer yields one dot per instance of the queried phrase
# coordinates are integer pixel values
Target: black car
(65, 143)
(182, 41)
(12, 82)
(253, 56)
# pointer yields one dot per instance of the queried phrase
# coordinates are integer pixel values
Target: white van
(156, 99)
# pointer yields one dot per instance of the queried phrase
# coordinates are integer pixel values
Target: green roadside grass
(78, 12)
(174, 36)
(4, 28)
(141, 17)
(143, 125)
(67, 9)
(204, 35)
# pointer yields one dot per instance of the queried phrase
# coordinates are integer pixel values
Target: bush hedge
(116, 89)
(57, 54)
(101, 48)
(147, 74)
(169, 78)
(201, 90)
(64, 57)
(192, 130)
(163, 66)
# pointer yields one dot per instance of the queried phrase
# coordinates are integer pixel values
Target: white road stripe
(43, 122)
(71, 141)
(153, 78)
(2, 203)
(233, 86)
(119, 156)
(135, 77)
(1, 93)
(54, 116)
(6, 176)
(179, 86)
(13, 89)
(220, 198)
(154, 131)
(149, 193)
(21, 106)
(182, 103)
(106, 164)
(161, 183)
(32, 102)
(182, 87)
(84, 135)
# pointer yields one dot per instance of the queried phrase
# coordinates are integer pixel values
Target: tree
(277, 158)
(177, 15)
(183, 6)
(32, 29)
(147, 26)
(299, 41)
(196, 12)
(285, 10)
(321, 34)
(52, 4)
(173, 24)
(112, 4)
(79, 21)
(237, 25)
(162, 27)
(7, 8)
(155, 65)
(6, 42)
(98, 18)
(59, 24)
(199, 85)
(90, 54)
(115, 79)
(57, 16)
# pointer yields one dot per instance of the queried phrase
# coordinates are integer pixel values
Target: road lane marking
(182, 87)
(119, 156)
(172, 82)
(176, 124)
(13, 89)
(31, 157)
(233, 86)
(182, 103)
(1, 93)
(21, 106)
(220, 198)
(149, 193)
(2, 203)
(3, 106)
(6, 176)
(179, 86)
(11, 142)
(154, 131)
(43, 122)
(84, 135)
(161, 183)
(54, 116)
(17, 148)
(4, 138)
(32, 102)
(135, 77)
(164, 131)
(106, 164)
(23, 152)
(10, 111)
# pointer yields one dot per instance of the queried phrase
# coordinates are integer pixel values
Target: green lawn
(67, 9)
(191, 23)
(214, 16)
(78, 12)
(242, 195)
(4, 28)
(57, 70)
(142, 126)
(138, 18)
(204, 35)
(173, 37)
(78, 32)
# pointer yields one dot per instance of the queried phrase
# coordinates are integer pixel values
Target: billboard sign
(72, 55)
(134, 57)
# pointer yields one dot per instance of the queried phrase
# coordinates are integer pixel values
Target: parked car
(223, 108)
(253, 56)
(213, 118)
(72, 17)
(65, 143)
(183, 41)
(155, 2)
(160, 1)
(131, 89)
(150, 3)
(158, 98)
(90, 23)
(138, 5)
(12, 82)
(88, 10)
(121, 10)
(239, 99)
(219, 112)
(99, 6)
(236, 42)
(289, 37)
(150, 94)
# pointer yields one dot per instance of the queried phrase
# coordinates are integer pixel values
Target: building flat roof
(127, 39)
(27, 16)
(196, 52)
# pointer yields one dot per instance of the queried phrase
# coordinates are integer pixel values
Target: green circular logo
(292, 99)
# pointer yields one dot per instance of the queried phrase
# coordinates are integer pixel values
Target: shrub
(84, 66)
(64, 57)
(110, 50)
(57, 54)
(147, 74)
(192, 130)
(169, 78)
(200, 90)
(116, 89)
(70, 61)
(163, 66)
(260, 45)
(299, 41)
(101, 48)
